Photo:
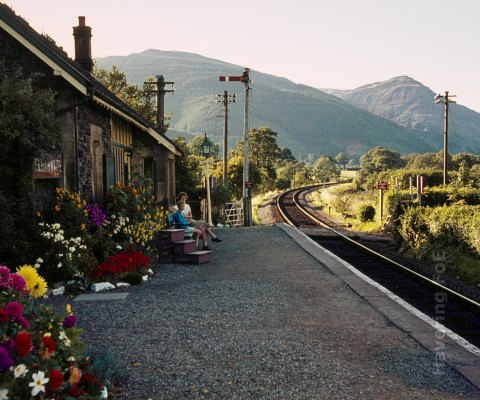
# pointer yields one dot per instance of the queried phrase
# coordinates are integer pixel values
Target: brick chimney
(83, 48)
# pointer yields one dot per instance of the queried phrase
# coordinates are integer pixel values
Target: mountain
(307, 120)
(410, 104)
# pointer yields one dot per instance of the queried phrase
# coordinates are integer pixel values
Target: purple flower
(17, 282)
(4, 276)
(95, 214)
(5, 360)
(8, 344)
(14, 309)
(69, 321)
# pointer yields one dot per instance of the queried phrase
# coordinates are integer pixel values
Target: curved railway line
(448, 307)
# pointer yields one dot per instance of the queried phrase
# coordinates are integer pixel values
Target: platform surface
(273, 316)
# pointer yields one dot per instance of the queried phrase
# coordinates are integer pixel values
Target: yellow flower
(38, 213)
(68, 308)
(28, 273)
(40, 288)
(34, 283)
(83, 227)
(57, 208)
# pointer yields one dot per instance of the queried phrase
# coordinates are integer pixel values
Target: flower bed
(40, 350)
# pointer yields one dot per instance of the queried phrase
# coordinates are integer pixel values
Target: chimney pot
(81, 21)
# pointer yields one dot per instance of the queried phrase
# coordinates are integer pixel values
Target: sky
(339, 44)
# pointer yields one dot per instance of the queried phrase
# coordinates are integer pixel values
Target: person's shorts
(202, 225)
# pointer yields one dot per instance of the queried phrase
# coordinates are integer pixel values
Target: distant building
(98, 129)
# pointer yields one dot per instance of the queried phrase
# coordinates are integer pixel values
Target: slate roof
(74, 73)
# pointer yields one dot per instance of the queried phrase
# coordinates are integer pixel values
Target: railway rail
(454, 310)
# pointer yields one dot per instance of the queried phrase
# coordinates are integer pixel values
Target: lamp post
(440, 99)
(206, 146)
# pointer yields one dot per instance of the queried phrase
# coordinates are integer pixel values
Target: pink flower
(17, 282)
(24, 322)
(14, 309)
(4, 276)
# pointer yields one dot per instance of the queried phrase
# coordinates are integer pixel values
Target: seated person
(182, 223)
(202, 225)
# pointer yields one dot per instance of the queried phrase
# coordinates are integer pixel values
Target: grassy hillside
(307, 120)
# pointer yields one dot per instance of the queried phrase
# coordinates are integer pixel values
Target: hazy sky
(339, 44)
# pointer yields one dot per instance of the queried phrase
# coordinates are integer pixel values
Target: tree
(188, 167)
(342, 159)
(325, 169)
(264, 156)
(27, 131)
(141, 100)
(376, 160)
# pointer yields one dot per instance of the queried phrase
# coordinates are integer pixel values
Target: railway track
(457, 312)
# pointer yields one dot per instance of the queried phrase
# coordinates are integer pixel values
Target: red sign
(248, 185)
(382, 185)
(231, 78)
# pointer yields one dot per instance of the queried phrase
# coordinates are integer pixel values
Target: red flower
(48, 343)
(55, 379)
(48, 346)
(3, 315)
(23, 343)
(122, 262)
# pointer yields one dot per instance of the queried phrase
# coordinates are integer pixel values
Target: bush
(132, 278)
(366, 213)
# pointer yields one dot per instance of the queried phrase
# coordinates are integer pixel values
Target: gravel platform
(262, 320)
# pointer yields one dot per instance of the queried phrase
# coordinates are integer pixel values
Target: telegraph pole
(160, 91)
(226, 99)
(247, 185)
(445, 100)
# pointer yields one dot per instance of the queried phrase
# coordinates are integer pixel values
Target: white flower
(37, 266)
(56, 226)
(59, 265)
(39, 260)
(71, 359)
(64, 338)
(3, 394)
(60, 255)
(126, 219)
(72, 249)
(38, 384)
(20, 371)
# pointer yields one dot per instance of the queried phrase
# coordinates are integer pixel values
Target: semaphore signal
(247, 203)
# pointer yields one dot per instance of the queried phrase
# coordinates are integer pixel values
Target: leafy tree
(188, 167)
(325, 169)
(376, 160)
(342, 159)
(426, 161)
(264, 156)
(27, 131)
(142, 100)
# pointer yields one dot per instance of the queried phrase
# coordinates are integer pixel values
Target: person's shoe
(216, 239)
(206, 248)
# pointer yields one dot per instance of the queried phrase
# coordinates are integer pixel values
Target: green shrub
(366, 212)
(133, 278)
